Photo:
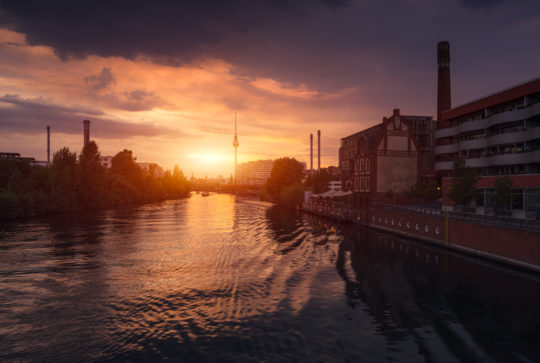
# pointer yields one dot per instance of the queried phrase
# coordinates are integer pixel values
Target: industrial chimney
(311, 154)
(86, 127)
(319, 151)
(48, 145)
(443, 85)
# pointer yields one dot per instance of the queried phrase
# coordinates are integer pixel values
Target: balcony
(495, 160)
(514, 115)
(445, 149)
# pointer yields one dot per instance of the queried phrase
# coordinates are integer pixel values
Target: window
(517, 198)
(368, 165)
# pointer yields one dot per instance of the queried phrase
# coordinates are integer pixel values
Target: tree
(127, 178)
(502, 194)
(319, 182)
(463, 182)
(291, 195)
(92, 191)
(65, 177)
(125, 164)
(285, 171)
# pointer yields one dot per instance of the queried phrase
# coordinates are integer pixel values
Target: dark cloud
(386, 49)
(32, 115)
(475, 4)
(159, 28)
(100, 81)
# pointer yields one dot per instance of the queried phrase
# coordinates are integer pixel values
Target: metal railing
(509, 222)
(345, 213)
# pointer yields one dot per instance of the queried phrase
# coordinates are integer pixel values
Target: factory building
(382, 158)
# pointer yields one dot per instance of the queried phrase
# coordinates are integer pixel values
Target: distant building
(152, 168)
(17, 156)
(498, 135)
(334, 185)
(106, 161)
(255, 172)
(4, 155)
(334, 171)
(41, 163)
(382, 158)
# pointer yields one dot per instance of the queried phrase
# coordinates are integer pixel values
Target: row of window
(514, 148)
(362, 166)
(506, 107)
(362, 184)
(519, 199)
(508, 127)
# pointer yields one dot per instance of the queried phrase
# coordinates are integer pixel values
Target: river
(228, 278)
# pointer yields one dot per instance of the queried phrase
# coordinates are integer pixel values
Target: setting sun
(210, 158)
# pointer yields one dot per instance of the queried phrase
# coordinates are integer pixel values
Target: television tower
(235, 144)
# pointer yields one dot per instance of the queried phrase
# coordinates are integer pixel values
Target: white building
(254, 172)
(106, 161)
(335, 185)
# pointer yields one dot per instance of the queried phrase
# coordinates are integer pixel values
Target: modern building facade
(254, 172)
(383, 158)
(497, 135)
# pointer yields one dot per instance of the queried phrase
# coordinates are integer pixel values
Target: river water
(227, 278)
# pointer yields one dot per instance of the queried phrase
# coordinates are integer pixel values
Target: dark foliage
(71, 184)
(462, 186)
(284, 185)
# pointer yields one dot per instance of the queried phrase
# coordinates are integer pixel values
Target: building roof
(497, 98)
(371, 134)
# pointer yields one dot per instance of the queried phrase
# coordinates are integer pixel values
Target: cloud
(137, 100)
(178, 29)
(100, 81)
(32, 115)
(476, 4)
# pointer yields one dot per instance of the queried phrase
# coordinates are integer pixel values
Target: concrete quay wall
(504, 244)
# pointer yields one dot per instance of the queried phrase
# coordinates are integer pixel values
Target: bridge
(244, 189)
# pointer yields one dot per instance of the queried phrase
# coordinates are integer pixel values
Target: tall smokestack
(443, 84)
(319, 151)
(311, 154)
(86, 127)
(48, 145)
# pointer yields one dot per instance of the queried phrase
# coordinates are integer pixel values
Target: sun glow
(210, 158)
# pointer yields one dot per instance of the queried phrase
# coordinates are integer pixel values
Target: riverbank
(79, 209)
(500, 239)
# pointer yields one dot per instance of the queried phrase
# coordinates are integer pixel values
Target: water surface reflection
(229, 278)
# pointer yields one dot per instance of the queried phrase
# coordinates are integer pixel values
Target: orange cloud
(197, 99)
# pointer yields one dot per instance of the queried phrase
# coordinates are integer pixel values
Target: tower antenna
(235, 145)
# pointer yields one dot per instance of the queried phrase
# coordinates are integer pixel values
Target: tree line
(288, 182)
(75, 183)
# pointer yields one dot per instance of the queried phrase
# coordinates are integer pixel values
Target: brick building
(382, 158)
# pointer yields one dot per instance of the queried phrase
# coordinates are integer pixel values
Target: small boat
(205, 194)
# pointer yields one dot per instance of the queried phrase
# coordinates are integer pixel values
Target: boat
(205, 194)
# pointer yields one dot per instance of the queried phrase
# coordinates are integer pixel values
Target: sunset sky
(165, 78)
